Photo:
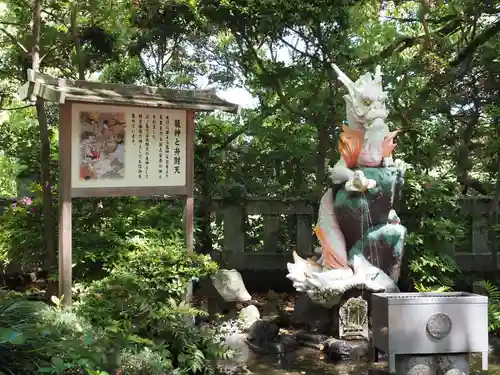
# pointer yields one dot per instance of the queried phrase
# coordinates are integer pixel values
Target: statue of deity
(362, 239)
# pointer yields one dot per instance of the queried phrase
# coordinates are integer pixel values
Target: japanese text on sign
(144, 146)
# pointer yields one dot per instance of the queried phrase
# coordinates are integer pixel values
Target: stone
(263, 330)
(225, 329)
(270, 308)
(415, 365)
(309, 314)
(453, 364)
(230, 285)
(342, 350)
(248, 316)
(242, 353)
(494, 345)
(216, 305)
(432, 364)
(282, 344)
(310, 339)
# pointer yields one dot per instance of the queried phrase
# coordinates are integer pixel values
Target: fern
(493, 293)
(421, 288)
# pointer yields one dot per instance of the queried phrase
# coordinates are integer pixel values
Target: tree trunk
(205, 240)
(50, 261)
(75, 34)
(321, 153)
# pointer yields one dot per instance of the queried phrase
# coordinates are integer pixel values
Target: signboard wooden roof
(61, 90)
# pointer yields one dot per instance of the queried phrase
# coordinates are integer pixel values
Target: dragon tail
(329, 234)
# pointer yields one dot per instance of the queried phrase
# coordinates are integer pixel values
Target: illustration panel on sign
(102, 145)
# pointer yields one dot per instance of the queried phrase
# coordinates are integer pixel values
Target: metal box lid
(431, 298)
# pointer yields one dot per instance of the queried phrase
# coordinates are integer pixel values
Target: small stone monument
(230, 285)
(230, 290)
(353, 319)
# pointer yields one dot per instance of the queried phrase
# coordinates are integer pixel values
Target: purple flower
(14, 205)
(27, 201)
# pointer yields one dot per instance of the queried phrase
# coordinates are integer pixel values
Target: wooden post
(189, 208)
(234, 235)
(304, 235)
(271, 233)
(65, 220)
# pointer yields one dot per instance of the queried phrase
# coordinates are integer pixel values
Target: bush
(139, 302)
(100, 227)
(435, 228)
(35, 337)
(133, 320)
(493, 293)
(145, 362)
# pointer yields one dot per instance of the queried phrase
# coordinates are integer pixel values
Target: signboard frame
(67, 192)
(67, 93)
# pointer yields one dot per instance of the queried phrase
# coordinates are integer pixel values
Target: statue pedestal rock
(362, 239)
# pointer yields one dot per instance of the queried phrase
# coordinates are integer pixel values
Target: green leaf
(88, 339)
(8, 335)
(58, 364)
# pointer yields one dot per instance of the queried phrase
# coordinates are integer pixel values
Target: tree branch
(14, 40)
(16, 108)
(10, 23)
(231, 138)
(405, 42)
(441, 80)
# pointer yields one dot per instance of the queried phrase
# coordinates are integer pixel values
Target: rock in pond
(341, 350)
(309, 314)
(248, 316)
(243, 354)
(264, 338)
(263, 330)
(311, 339)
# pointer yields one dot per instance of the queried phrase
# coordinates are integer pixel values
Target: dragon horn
(348, 83)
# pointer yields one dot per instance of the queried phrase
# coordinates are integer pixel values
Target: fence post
(271, 233)
(234, 235)
(304, 235)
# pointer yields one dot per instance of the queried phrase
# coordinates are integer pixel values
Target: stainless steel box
(430, 323)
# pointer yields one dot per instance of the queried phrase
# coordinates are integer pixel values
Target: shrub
(35, 337)
(140, 301)
(145, 362)
(100, 227)
(493, 293)
(435, 227)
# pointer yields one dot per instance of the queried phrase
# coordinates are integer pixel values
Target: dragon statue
(362, 239)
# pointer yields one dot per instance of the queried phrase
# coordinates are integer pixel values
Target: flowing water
(311, 363)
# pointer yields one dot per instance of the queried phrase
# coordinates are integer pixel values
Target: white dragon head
(365, 101)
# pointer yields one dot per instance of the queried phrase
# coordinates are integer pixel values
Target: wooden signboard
(120, 151)
(121, 140)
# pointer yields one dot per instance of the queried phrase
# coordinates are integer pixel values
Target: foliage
(9, 170)
(130, 320)
(146, 362)
(493, 293)
(102, 226)
(22, 233)
(35, 336)
(435, 230)
(138, 302)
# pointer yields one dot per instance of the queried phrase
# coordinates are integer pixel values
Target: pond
(308, 362)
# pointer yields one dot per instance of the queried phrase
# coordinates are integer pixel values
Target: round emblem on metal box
(439, 325)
